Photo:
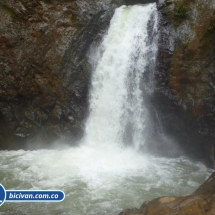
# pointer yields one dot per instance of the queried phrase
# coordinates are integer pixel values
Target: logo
(30, 195)
(2, 195)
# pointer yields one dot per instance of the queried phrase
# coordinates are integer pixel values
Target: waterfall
(101, 176)
(117, 112)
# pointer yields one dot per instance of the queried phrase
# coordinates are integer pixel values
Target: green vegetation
(210, 30)
(179, 15)
(73, 19)
(190, 54)
(9, 11)
(180, 12)
(207, 41)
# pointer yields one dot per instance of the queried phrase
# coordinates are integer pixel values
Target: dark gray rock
(182, 104)
(44, 70)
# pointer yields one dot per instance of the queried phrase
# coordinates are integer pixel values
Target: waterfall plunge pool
(99, 181)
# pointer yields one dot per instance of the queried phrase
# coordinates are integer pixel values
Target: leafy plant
(180, 12)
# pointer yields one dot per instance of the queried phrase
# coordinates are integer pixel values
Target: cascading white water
(100, 176)
(117, 109)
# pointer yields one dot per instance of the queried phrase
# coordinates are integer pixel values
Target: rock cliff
(44, 71)
(183, 102)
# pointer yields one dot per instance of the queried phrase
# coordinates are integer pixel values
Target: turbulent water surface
(107, 172)
(95, 181)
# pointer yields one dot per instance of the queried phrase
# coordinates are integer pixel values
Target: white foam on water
(96, 181)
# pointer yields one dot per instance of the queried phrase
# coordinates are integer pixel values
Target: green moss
(210, 30)
(207, 44)
(73, 19)
(180, 13)
(9, 11)
(190, 55)
(185, 97)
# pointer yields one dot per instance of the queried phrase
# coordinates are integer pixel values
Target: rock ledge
(201, 202)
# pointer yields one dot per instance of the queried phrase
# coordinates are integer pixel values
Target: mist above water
(95, 181)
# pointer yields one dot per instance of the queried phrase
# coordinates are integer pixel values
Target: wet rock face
(183, 99)
(202, 201)
(44, 71)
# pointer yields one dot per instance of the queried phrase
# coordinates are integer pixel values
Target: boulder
(201, 202)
